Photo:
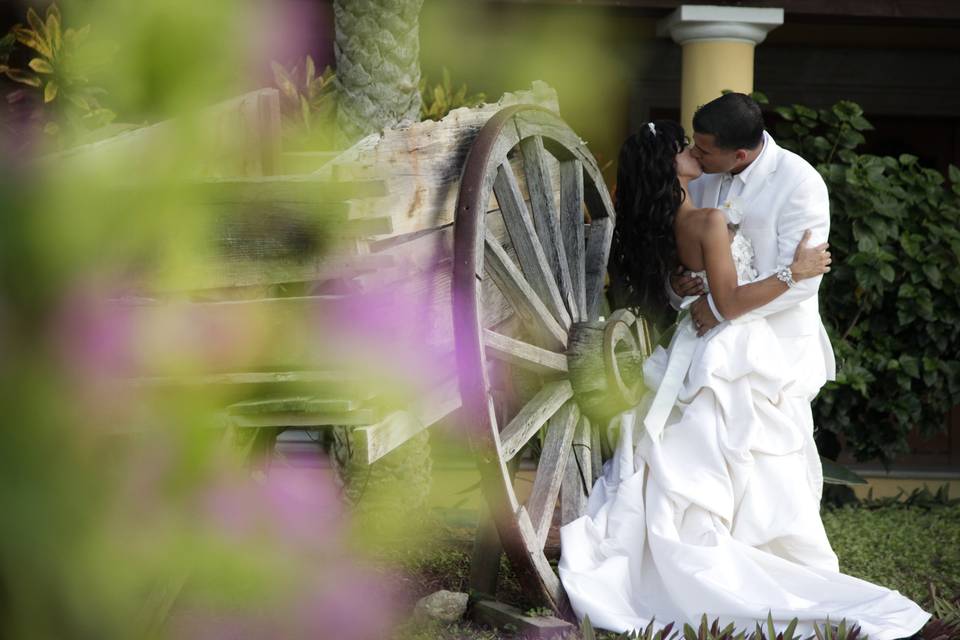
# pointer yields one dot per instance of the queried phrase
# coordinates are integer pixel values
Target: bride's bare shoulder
(709, 221)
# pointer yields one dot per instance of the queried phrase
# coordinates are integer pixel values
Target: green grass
(900, 547)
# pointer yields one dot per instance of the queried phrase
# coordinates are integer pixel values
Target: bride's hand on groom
(810, 261)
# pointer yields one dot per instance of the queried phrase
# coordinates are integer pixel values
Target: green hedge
(892, 300)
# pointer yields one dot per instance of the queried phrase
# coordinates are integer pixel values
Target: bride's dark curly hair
(644, 249)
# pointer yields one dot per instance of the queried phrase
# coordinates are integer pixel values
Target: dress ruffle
(720, 513)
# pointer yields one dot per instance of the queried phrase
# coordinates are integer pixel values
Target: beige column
(718, 50)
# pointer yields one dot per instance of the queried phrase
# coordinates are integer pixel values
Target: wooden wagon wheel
(549, 264)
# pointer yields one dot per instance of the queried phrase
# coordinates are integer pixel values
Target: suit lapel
(760, 178)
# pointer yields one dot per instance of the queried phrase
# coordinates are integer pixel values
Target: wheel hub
(605, 360)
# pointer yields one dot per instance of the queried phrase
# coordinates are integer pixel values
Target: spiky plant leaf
(771, 630)
(53, 29)
(309, 70)
(667, 632)
(788, 633)
(817, 632)
(726, 632)
(688, 632)
(40, 28)
(283, 81)
(50, 91)
(586, 629)
(79, 101)
(30, 38)
(40, 65)
(23, 77)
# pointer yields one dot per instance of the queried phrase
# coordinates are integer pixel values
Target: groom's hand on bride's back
(686, 284)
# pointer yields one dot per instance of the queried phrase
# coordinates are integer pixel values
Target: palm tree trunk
(377, 52)
(378, 85)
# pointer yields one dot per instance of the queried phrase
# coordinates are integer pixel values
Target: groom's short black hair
(734, 120)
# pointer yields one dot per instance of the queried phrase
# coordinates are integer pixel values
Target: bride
(711, 501)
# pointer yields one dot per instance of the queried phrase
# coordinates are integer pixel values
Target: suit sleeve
(807, 207)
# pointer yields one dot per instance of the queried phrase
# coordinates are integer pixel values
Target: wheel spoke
(573, 228)
(596, 456)
(525, 301)
(530, 253)
(524, 355)
(577, 476)
(550, 468)
(532, 416)
(548, 579)
(545, 218)
(595, 262)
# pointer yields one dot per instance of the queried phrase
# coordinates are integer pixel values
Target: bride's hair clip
(652, 127)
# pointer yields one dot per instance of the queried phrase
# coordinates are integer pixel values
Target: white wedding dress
(711, 501)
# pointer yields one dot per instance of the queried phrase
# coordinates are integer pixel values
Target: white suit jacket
(783, 197)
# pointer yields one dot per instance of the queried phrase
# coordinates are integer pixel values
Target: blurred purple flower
(402, 331)
(286, 31)
(301, 506)
(335, 594)
(97, 337)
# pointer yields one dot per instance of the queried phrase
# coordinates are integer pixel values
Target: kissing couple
(711, 502)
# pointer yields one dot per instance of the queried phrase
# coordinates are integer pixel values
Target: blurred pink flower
(335, 592)
(286, 31)
(301, 506)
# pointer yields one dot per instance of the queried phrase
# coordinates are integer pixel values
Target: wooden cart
(494, 226)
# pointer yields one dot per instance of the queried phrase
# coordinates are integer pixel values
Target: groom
(780, 196)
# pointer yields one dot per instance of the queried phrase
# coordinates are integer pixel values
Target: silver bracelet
(785, 275)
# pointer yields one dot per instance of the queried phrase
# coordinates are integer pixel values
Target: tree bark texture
(377, 52)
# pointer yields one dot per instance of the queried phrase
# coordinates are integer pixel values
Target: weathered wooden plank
(261, 231)
(268, 112)
(524, 300)
(422, 163)
(252, 378)
(573, 229)
(284, 189)
(575, 487)
(298, 419)
(298, 162)
(595, 263)
(532, 416)
(546, 220)
(499, 615)
(524, 355)
(550, 467)
(362, 227)
(231, 138)
(239, 273)
(377, 440)
(526, 244)
(303, 332)
(294, 404)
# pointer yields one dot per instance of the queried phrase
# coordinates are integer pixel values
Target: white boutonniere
(733, 210)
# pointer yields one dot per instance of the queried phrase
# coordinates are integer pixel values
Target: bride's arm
(733, 300)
